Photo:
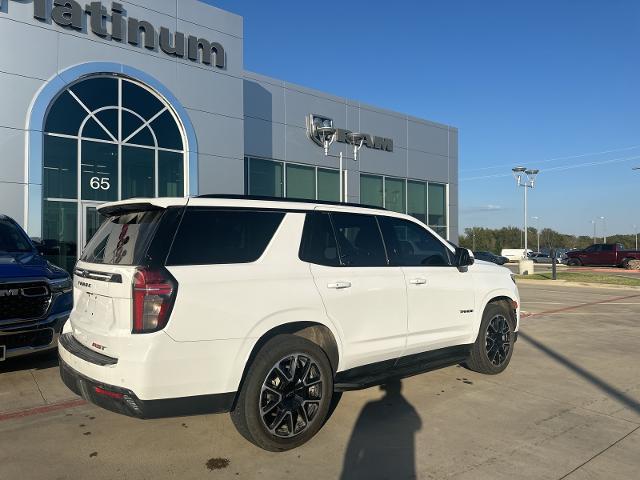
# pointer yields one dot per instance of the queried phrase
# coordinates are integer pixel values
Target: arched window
(106, 138)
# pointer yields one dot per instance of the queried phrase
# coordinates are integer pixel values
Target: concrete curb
(566, 283)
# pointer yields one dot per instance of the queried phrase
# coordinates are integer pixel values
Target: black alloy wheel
(492, 351)
(286, 395)
(498, 340)
(291, 395)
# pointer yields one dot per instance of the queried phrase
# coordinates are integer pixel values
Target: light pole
(635, 228)
(327, 134)
(537, 219)
(525, 178)
(594, 231)
(604, 229)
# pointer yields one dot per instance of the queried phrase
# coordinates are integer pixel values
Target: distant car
(490, 257)
(538, 257)
(35, 296)
(610, 254)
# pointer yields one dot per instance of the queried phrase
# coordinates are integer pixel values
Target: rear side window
(410, 245)
(122, 239)
(214, 236)
(318, 243)
(359, 240)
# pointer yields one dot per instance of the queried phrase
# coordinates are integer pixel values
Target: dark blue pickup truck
(35, 296)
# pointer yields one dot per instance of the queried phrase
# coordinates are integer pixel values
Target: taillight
(153, 295)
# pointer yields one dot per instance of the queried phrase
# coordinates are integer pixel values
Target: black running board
(378, 373)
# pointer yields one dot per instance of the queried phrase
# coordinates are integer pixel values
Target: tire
(625, 263)
(497, 326)
(574, 262)
(273, 403)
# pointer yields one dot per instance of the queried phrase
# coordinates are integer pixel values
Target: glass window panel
(93, 130)
(99, 171)
(109, 119)
(143, 137)
(409, 245)
(394, 194)
(209, 237)
(123, 239)
(417, 200)
(442, 231)
(265, 178)
(65, 115)
(371, 190)
(97, 92)
(437, 204)
(59, 233)
(140, 100)
(359, 240)
(60, 167)
(170, 174)
(328, 185)
(301, 182)
(130, 123)
(318, 243)
(167, 131)
(138, 179)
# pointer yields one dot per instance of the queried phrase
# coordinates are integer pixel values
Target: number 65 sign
(100, 183)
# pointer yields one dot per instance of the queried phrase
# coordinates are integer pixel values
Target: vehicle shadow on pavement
(588, 376)
(38, 361)
(382, 444)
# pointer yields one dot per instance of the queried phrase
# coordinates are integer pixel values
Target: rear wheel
(286, 395)
(625, 263)
(492, 350)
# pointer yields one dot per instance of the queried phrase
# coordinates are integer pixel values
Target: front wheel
(574, 262)
(492, 350)
(286, 394)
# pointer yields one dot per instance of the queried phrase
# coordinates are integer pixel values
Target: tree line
(495, 239)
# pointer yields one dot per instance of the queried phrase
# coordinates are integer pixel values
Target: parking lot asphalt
(568, 407)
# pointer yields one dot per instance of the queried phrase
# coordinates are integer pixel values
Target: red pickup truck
(602, 254)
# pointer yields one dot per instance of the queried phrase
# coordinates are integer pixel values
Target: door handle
(339, 285)
(417, 281)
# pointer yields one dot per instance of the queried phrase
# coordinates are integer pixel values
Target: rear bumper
(124, 401)
(32, 337)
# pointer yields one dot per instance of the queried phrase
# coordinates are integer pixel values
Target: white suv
(265, 308)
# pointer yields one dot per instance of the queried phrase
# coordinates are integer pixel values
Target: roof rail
(281, 199)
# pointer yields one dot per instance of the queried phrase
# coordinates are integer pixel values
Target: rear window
(122, 239)
(215, 236)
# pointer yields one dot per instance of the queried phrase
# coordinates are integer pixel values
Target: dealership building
(104, 101)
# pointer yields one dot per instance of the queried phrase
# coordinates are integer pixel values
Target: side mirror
(463, 258)
(40, 247)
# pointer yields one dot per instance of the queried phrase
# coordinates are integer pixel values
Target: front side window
(215, 236)
(410, 245)
(359, 240)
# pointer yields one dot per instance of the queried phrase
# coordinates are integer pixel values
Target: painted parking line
(574, 307)
(29, 412)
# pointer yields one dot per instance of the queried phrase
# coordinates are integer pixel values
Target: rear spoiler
(120, 209)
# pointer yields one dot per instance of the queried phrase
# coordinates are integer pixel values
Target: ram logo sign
(370, 141)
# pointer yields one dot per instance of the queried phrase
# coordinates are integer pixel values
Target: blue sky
(550, 84)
